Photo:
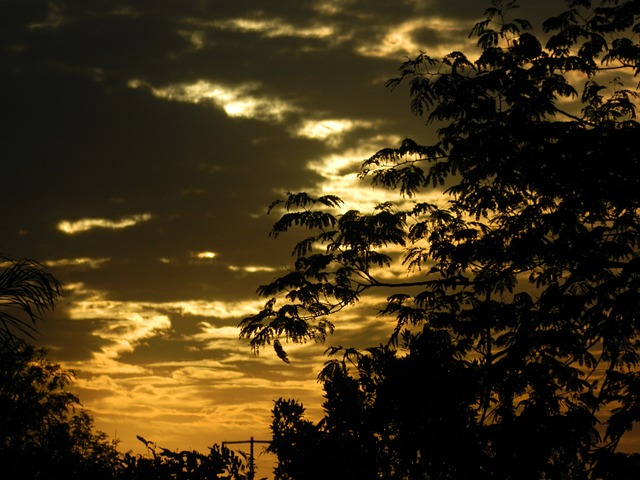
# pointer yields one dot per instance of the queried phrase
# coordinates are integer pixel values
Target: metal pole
(251, 467)
(251, 441)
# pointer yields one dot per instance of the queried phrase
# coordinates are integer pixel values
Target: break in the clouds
(205, 255)
(80, 261)
(85, 224)
(239, 101)
(331, 131)
(267, 27)
(245, 101)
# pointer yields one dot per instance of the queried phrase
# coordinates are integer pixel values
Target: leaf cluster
(27, 291)
(44, 432)
(160, 463)
(528, 265)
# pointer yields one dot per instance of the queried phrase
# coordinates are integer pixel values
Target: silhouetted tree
(26, 292)
(296, 442)
(523, 278)
(44, 433)
(309, 451)
(382, 421)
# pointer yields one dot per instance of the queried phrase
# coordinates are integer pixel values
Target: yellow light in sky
(330, 130)
(206, 255)
(268, 27)
(80, 261)
(400, 39)
(240, 101)
(251, 268)
(85, 224)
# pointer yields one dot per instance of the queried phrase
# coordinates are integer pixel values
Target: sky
(142, 142)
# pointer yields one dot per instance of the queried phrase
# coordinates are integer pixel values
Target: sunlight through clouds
(188, 374)
(123, 329)
(339, 173)
(251, 268)
(272, 27)
(125, 325)
(206, 255)
(212, 337)
(196, 38)
(340, 177)
(245, 101)
(401, 39)
(77, 262)
(195, 30)
(130, 330)
(330, 131)
(217, 309)
(329, 7)
(95, 305)
(240, 101)
(86, 224)
(227, 392)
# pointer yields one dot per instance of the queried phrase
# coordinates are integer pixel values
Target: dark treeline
(45, 434)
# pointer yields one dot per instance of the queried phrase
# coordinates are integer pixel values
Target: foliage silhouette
(43, 431)
(26, 292)
(220, 463)
(524, 279)
(384, 421)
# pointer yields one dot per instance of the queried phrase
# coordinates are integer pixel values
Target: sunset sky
(142, 142)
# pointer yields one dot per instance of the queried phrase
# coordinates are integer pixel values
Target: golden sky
(142, 142)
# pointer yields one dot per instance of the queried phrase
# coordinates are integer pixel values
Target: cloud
(77, 262)
(85, 224)
(151, 372)
(251, 268)
(331, 131)
(269, 27)
(407, 38)
(94, 304)
(216, 309)
(239, 101)
(338, 175)
(204, 255)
